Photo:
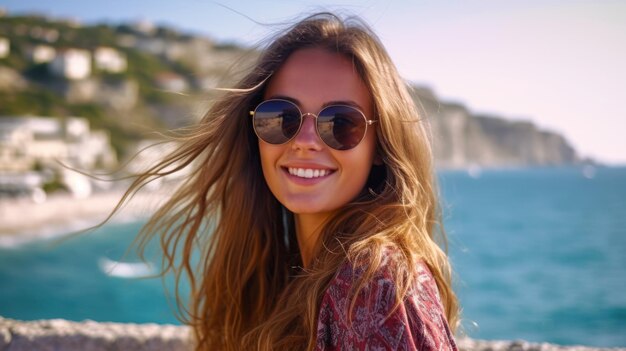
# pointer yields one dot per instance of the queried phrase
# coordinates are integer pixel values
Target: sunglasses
(341, 127)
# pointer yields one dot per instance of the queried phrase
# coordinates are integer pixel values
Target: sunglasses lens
(276, 121)
(341, 127)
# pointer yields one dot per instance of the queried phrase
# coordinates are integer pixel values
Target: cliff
(462, 139)
(58, 334)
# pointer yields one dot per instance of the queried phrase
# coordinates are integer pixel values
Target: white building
(40, 53)
(24, 184)
(154, 46)
(13, 154)
(206, 82)
(50, 35)
(147, 153)
(72, 64)
(30, 144)
(127, 40)
(145, 27)
(109, 60)
(171, 82)
(5, 47)
(28, 141)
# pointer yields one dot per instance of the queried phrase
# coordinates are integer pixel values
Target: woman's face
(314, 78)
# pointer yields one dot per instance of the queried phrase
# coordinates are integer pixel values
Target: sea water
(538, 254)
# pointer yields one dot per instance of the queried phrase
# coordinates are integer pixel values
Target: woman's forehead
(316, 76)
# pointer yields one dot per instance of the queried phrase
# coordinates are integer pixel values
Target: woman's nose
(307, 137)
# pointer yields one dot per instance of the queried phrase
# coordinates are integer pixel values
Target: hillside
(164, 73)
(463, 139)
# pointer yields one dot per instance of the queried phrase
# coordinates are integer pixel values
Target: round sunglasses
(341, 127)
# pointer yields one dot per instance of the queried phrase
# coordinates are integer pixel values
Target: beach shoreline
(23, 221)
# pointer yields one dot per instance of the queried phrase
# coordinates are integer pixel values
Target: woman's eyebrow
(284, 97)
(328, 103)
(343, 102)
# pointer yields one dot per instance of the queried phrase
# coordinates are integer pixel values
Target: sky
(558, 63)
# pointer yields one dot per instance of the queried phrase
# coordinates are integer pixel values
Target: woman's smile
(309, 172)
(310, 175)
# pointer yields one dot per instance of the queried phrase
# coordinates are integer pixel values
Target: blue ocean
(539, 254)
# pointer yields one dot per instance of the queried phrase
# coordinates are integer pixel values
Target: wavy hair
(226, 233)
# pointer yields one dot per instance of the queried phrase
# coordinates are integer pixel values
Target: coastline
(59, 334)
(23, 221)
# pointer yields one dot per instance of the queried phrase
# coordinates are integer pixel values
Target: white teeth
(308, 173)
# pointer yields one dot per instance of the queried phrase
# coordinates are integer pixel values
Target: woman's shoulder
(385, 274)
(376, 317)
(391, 263)
(423, 291)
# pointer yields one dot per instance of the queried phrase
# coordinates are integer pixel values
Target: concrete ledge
(467, 344)
(59, 334)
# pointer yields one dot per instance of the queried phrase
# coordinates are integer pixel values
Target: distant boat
(589, 171)
(125, 269)
(474, 171)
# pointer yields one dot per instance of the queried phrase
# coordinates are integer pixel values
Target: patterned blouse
(417, 324)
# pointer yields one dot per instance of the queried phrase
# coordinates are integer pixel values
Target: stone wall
(62, 335)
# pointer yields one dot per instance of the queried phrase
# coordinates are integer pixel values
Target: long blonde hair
(235, 243)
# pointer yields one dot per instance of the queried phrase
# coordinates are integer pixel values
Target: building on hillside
(153, 46)
(40, 53)
(127, 40)
(206, 82)
(71, 22)
(5, 47)
(109, 60)
(27, 143)
(71, 64)
(193, 51)
(11, 80)
(50, 35)
(174, 50)
(13, 154)
(145, 27)
(171, 82)
(147, 153)
(20, 30)
(33, 149)
(28, 184)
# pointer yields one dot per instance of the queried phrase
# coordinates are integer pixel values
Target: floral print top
(418, 323)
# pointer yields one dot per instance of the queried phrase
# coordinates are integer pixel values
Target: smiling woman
(308, 177)
(312, 204)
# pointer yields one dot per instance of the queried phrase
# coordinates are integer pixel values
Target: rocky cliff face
(463, 140)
